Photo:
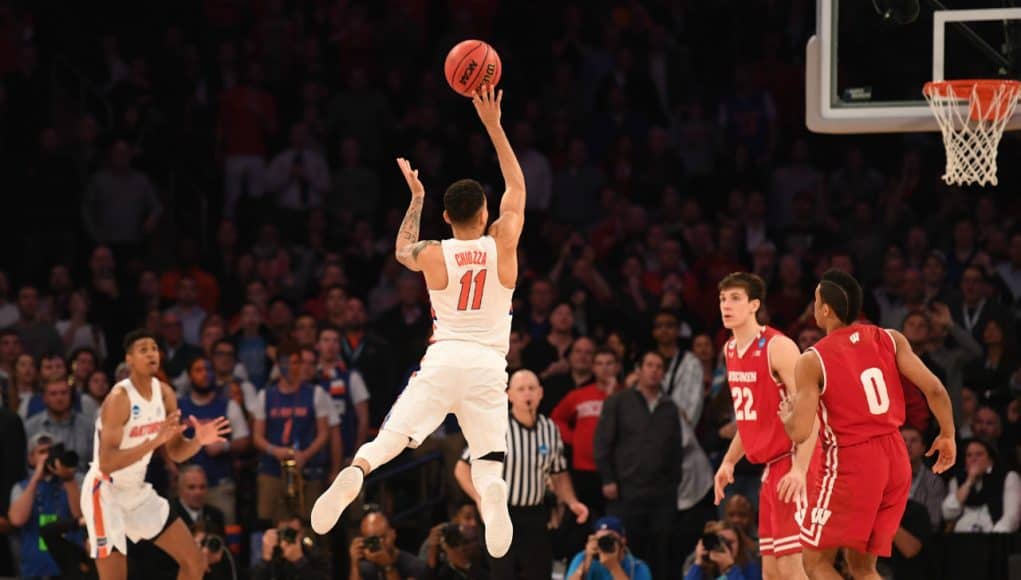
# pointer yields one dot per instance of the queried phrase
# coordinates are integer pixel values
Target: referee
(535, 452)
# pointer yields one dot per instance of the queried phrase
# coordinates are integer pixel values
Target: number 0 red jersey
(862, 397)
(757, 394)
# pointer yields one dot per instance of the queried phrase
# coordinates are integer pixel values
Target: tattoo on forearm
(409, 227)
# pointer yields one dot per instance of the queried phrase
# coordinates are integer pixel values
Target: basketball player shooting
(851, 379)
(139, 416)
(464, 369)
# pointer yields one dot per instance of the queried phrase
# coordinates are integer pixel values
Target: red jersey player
(851, 380)
(760, 372)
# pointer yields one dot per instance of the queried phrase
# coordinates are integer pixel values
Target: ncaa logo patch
(543, 449)
(135, 410)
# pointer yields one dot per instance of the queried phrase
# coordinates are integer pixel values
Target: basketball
(471, 64)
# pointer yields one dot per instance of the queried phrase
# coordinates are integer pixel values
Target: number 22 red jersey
(862, 397)
(757, 394)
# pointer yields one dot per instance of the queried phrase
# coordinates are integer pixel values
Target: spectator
(62, 423)
(12, 457)
(246, 119)
(219, 560)
(229, 373)
(291, 424)
(808, 336)
(8, 312)
(188, 311)
(579, 374)
(986, 497)
(191, 503)
(349, 395)
(120, 206)
(97, 387)
(355, 186)
(974, 310)
(303, 330)
(909, 558)
(952, 348)
(24, 384)
(737, 511)
(177, 352)
(927, 488)
(374, 553)
(76, 331)
(407, 326)
(728, 559)
(1008, 270)
(889, 295)
(207, 289)
(987, 425)
(577, 416)
(51, 492)
(994, 372)
(547, 356)
(639, 456)
(364, 351)
(541, 297)
(299, 180)
(252, 340)
(10, 350)
(205, 401)
(609, 558)
(37, 336)
(287, 554)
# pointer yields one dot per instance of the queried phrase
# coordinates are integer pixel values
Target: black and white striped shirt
(532, 455)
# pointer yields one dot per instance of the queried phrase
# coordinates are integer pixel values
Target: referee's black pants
(531, 553)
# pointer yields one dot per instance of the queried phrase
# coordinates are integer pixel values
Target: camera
(712, 543)
(67, 457)
(212, 543)
(373, 543)
(607, 544)
(289, 535)
(452, 535)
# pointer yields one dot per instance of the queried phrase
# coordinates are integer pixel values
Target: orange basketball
(471, 64)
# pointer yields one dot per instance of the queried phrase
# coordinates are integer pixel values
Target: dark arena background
(221, 173)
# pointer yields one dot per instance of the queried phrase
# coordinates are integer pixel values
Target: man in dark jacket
(638, 453)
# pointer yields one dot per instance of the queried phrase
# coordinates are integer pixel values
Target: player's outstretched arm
(180, 448)
(113, 417)
(508, 227)
(408, 249)
(799, 415)
(935, 393)
(725, 474)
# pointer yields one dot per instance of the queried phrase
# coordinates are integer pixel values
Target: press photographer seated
(452, 548)
(289, 553)
(220, 563)
(606, 556)
(723, 551)
(374, 554)
(50, 494)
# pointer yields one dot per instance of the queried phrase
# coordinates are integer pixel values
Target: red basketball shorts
(779, 532)
(861, 497)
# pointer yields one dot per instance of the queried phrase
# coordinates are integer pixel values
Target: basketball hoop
(972, 134)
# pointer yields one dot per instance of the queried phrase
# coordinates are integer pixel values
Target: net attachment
(972, 115)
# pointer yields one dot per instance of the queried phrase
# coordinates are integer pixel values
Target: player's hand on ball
(411, 177)
(946, 447)
(487, 105)
(792, 486)
(212, 431)
(724, 477)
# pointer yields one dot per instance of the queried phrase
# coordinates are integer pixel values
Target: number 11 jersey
(474, 307)
(861, 394)
(756, 394)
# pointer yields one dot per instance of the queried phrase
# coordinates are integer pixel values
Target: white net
(972, 116)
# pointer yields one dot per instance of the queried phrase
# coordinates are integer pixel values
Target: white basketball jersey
(144, 422)
(475, 306)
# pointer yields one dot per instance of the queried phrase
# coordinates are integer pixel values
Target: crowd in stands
(221, 173)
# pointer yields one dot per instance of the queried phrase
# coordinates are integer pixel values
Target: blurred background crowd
(221, 172)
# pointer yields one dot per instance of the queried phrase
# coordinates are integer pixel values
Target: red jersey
(862, 396)
(757, 394)
(577, 415)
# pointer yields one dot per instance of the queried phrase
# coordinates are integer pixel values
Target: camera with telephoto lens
(67, 457)
(607, 544)
(452, 535)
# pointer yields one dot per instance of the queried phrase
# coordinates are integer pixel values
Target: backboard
(864, 73)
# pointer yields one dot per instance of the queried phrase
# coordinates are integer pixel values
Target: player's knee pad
(382, 449)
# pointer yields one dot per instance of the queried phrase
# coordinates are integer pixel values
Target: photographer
(722, 553)
(606, 556)
(452, 550)
(374, 554)
(220, 563)
(63, 423)
(50, 494)
(288, 554)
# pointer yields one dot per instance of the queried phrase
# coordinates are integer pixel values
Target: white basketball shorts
(114, 514)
